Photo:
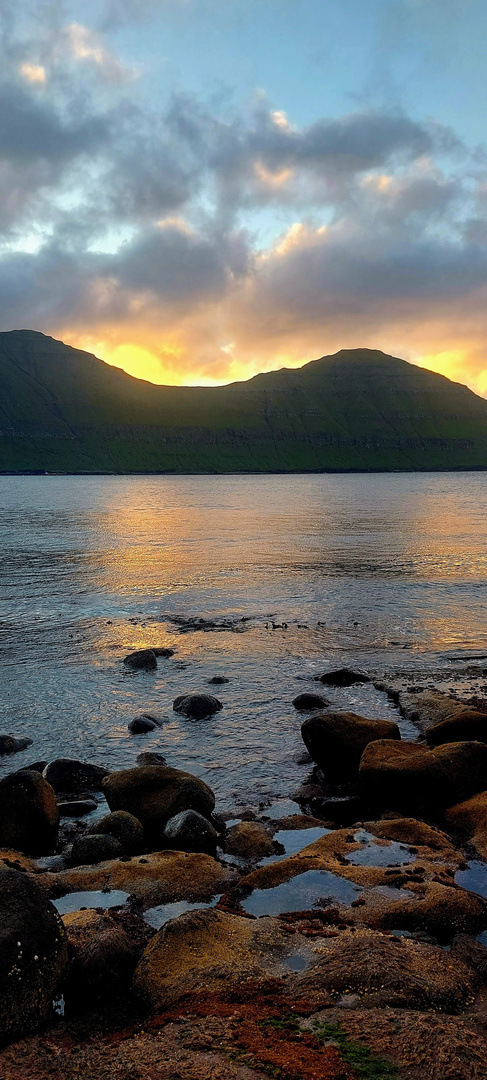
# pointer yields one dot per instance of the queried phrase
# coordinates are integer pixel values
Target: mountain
(63, 410)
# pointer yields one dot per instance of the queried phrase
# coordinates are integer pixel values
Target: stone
(150, 757)
(29, 816)
(407, 777)
(388, 971)
(249, 840)
(218, 680)
(443, 719)
(33, 955)
(163, 651)
(342, 677)
(208, 952)
(76, 807)
(73, 776)
(189, 831)
(471, 952)
(140, 725)
(126, 828)
(470, 816)
(155, 793)
(336, 740)
(94, 849)
(161, 877)
(197, 706)
(102, 963)
(410, 831)
(141, 660)
(310, 701)
(470, 724)
(36, 766)
(12, 744)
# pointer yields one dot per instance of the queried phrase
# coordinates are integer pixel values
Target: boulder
(73, 776)
(155, 793)
(141, 660)
(76, 807)
(407, 777)
(103, 959)
(218, 680)
(163, 651)
(336, 740)
(310, 701)
(342, 677)
(33, 955)
(12, 744)
(140, 725)
(468, 724)
(197, 706)
(95, 849)
(410, 831)
(149, 757)
(126, 828)
(443, 719)
(189, 831)
(470, 816)
(249, 840)
(29, 816)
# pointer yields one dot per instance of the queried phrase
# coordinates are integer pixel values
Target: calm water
(385, 571)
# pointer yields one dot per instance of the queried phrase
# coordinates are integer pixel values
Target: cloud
(86, 45)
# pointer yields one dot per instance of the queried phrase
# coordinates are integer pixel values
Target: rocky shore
(336, 934)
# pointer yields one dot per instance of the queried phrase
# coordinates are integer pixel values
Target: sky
(199, 190)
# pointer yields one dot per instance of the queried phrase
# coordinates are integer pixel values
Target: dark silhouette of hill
(64, 410)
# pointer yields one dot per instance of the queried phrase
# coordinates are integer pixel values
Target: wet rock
(470, 816)
(150, 757)
(435, 907)
(197, 706)
(36, 766)
(126, 828)
(76, 807)
(209, 952)
(140, 725)
(410, 831)
(141, 660)
(159, 878)
(407, 777)
(471, 952)
(33, 955)
(443, 719)
(387, 971)
(310, 701)
(94, 849)
(155, 793)
(336, 740)
(102, 960)
(218, 680)
(13, 860)
(342, 677)
(29, 816)
(163, 651)
(73, 776)
(12, 744)
(249, 840)
(189, 831)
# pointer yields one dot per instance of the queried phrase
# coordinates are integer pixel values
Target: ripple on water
(374, 854)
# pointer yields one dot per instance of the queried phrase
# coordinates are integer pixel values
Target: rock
(471, 952)
(336, 740)
(102, 962)
(207, 952)
(410, 831)
(387, 971)
(218, 680)
(13, 860)
(94, 849)
(443, 719)
(310, 701)
(126, 828)
(342, 677)
(70, 775)
(76, 807)
(155, 793)
(150, 757)
(163, 651)
(29, 815)
(249, 840)
(197, 706)
(159, 878)
(36, 766)
(141, 660)
(407, 777)
(189, 831)
(11, 744)
(33, 955)
(470, 816)
(470, 724)
(140, 725)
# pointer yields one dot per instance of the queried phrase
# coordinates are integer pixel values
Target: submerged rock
(249, 840)
(126, 828)
(336, 740)
(218, 680)
(73, 776)
(150, 757)
(29, 815)
(140, 725)
(76, 807)
(155, 793)
(189, 831)
(310, 701)
(163, 651)
(141, 660)
(197, 706)
(343, 677)
(95, 848)
(12, 744)
(33, 955)
(407, 777)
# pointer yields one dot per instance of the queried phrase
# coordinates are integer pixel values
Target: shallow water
(301, 893)
(383, 571)
(160, 915)
(474, 878)
(373, 854)
(90, 899)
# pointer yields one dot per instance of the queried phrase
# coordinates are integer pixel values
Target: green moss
(361, 1060)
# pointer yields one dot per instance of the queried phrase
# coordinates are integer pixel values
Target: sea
(265, 580)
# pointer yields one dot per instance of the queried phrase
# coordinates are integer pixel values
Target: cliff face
(63, 410)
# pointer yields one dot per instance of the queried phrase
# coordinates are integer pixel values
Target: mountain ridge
(64, 410)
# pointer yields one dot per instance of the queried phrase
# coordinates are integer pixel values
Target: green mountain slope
(63, 410)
